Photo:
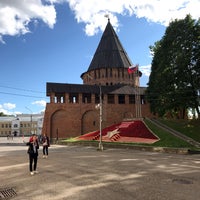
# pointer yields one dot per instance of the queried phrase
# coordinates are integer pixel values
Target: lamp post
(30, 117)
(100, 119)
(100, 116)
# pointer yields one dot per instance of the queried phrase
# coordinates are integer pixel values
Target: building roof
(61, 88)
(7, 118)
(22, 117)
(110, 52)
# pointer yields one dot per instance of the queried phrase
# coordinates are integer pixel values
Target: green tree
(174, 82)
(2, 114)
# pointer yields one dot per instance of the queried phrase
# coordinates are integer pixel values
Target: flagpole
(139, 99)
(100, 119)
(136, 97)
(139, 113)
(134, 69)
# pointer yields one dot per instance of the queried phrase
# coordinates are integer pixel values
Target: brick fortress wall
(65, 119)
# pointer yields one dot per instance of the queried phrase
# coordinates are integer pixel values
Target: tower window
(86, 98)
(73, 98)
(121, 99)
(97, 100)
(111, 72)
(143, 100)
(111, 98)
(131, 99)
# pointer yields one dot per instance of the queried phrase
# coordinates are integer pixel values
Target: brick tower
(74, 108)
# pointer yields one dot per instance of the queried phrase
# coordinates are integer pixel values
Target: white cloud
(6, 107)
(40, 103)
(4, 111)
(158, 11)
(164, 11)
(1, 40)
(15, 15)
(146, 70)
(9, 106)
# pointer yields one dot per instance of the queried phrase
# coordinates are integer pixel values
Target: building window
(143, 100)
(110, 72)
(95, 74)
(132, 99)
(121, 99)
(99, 74)
(2, 125)
(118, 73)
(62, 99)
(97, 100)
(73, 98)
(111, 98)
(122, 73)
(86, 97)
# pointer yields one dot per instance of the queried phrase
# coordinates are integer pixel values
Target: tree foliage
(174, 82)
(2, 114)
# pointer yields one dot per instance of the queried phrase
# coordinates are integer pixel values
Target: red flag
(132, 69)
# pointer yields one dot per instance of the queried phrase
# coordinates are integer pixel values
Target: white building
(23, 124)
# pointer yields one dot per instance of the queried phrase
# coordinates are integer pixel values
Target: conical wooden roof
(110, 52)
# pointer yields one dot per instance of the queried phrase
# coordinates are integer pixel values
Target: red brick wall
(115, 77)
(67, 120)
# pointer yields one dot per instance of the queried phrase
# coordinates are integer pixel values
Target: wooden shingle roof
(61, 88)
(110, 52)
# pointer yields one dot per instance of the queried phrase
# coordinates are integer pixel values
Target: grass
(189, 128)
(70, 140)
(167, 139)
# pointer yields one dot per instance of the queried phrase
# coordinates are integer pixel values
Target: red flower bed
(135, 128)
(132, 129)
(104, 132)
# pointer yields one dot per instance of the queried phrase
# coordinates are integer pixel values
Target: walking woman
(33, 154)
(46, 144)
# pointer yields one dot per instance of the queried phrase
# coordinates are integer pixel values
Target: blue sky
(54, 41)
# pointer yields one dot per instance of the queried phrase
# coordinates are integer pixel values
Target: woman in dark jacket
(33, 154)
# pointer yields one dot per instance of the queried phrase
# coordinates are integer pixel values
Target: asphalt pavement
(83, 173)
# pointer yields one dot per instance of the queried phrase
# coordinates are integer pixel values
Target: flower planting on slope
(127, 131)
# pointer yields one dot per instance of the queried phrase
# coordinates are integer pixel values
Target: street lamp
(100, 120)
(30, 116)
(100, 116)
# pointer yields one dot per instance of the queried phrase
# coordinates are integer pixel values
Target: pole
(138, 113)
(139, 97)
(100, 116)
(100, 120)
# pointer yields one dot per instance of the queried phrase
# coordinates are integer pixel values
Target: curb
(184, 151)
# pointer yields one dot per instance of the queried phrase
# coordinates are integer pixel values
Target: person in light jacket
(46, 144)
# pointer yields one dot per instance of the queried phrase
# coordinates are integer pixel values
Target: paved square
(83, 173)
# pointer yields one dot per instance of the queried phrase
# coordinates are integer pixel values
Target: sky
(54, 41)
